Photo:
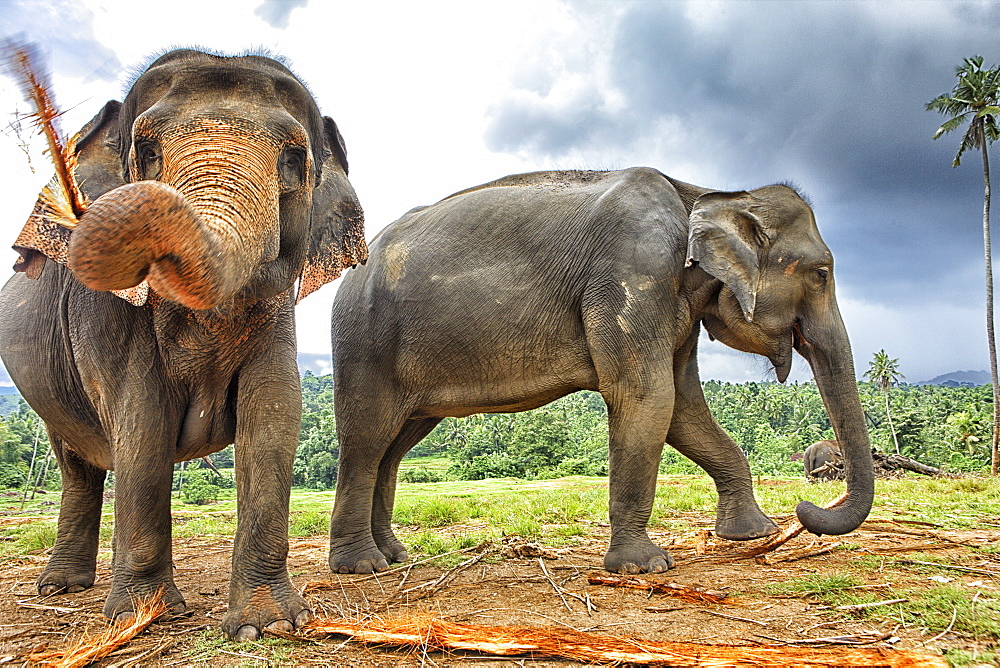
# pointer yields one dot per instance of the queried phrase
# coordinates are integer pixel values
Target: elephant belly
(504, 387)
(208, 426)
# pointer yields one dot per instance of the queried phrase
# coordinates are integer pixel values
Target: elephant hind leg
(365, 439)
(73, 564)
(413, 432)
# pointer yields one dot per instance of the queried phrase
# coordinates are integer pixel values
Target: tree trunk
(990, 336)
(888, 416)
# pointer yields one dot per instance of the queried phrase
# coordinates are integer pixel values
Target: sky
(433, 97)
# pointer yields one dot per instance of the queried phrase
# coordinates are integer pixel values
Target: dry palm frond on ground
(430, 634)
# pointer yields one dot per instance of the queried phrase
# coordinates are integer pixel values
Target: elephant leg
(143, 560)
(638, 420)
(73, 564)
(268, 418)
(385, 487)
(365, 440)
(696, 434)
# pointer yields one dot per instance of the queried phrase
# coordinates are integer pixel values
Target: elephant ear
(727, 240)
(336, 231)
(97, 170)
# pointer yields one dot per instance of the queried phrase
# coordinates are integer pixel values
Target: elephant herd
(162, 329)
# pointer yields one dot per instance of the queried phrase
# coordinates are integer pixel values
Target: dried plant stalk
(563, 643)
(94, 648)
(63, 197)
(790, 532)
(669, 588)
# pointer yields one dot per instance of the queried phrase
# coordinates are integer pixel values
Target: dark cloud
(830, 95)
(67, 30)
(277, 13)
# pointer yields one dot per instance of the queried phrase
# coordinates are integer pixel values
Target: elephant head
(216, 181)
(777, 295)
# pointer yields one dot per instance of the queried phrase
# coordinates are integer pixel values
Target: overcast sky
(433, 97)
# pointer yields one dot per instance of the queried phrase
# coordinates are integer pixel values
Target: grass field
(922, 532)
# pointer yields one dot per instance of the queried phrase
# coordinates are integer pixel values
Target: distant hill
(959, 378)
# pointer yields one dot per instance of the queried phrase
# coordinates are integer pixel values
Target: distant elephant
(216, 185)
(818, 456)
(506, 296)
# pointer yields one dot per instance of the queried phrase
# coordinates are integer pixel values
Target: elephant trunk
(824, 343)
(197, 234)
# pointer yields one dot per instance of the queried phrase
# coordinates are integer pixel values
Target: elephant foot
(637, 555)
(57, 580)
(369, 559)
(252, 611)
(121, 602)
(740, 518)
(391, 547)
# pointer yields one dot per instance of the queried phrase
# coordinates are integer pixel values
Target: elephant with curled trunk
(215, 186)
(506, 296)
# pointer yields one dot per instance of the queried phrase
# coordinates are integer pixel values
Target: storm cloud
(829, 95)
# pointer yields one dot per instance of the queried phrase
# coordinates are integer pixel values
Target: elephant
(161, 328)
(508, 295)
(822, 459)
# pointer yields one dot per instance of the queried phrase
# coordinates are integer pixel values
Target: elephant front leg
(637, 423)
(73, 564)
(261, 595)
(143, 558)
(697, 435)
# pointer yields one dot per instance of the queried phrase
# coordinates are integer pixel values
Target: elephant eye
(292, 168)
(823, 273)
(148, 159)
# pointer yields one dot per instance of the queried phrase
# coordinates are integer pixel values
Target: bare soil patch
(509, 587)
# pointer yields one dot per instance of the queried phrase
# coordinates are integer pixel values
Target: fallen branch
(431, 634)
(805, 554)
(876, 604)
(964, 569)
(431, 587)
(734, 617)
(670, 589)
(318, 585)
(854, 640)
(96, 647)
(790, 532)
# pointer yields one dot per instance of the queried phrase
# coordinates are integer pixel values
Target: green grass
(558, 509)
(930, 609)
(210, 647)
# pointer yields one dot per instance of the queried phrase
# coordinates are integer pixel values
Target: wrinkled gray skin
(509, 295)
(819, 454)
(135, 389)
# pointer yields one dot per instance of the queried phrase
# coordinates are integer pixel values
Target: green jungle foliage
(947, 427)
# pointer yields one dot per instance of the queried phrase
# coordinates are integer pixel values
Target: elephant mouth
(781, 360)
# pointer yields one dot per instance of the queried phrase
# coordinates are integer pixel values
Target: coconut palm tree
(883, 371)
(976, 99)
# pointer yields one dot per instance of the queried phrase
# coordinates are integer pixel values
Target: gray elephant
(216, 185)
(822, 460)
(506, 296)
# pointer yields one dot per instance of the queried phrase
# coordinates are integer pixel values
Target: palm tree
(976, 99)
(884, 373)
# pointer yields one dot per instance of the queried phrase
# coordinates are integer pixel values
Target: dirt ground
(507, 586)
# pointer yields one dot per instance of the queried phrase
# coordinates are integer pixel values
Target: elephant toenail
(247, 632)
(282, 625)
(303, 618)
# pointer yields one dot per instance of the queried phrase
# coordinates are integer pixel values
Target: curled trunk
(824, 343)
(199, 232)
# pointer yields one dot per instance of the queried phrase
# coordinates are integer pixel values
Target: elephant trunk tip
(835, 520)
